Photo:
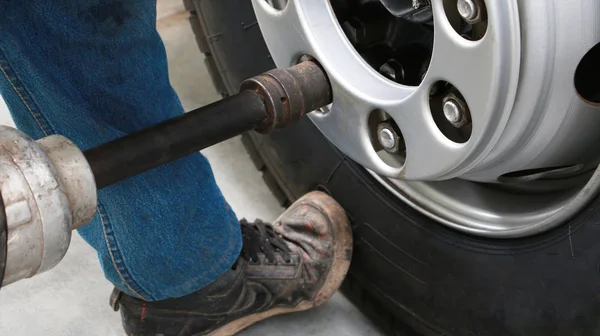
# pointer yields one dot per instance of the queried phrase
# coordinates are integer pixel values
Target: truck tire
(410, 273)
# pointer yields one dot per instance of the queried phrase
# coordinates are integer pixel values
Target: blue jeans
(94, 70)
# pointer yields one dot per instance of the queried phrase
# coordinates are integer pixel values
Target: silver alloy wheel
(517, 81)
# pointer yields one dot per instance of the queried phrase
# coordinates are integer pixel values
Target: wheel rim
(485, 74)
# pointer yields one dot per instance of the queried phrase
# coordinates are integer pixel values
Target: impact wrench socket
(49, 186)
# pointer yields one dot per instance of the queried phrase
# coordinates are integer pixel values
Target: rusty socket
(290, 93)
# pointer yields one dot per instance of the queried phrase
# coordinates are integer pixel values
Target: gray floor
(72, 299)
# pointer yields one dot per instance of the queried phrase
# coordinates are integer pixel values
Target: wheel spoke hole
(450, 112)
(277, 4)
(587, 76)
(467, 17)
(387, 139)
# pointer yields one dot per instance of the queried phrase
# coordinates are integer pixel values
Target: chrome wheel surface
(471, 114)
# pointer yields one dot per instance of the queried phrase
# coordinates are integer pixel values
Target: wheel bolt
(416, 4)
(455, 111)
(388, 138)
(452, 111)
(392, 70)
(468, 10)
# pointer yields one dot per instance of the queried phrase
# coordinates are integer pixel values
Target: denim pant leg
(94, 70)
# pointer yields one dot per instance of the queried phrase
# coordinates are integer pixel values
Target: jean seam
(122, 271)
(39, 119)
(212, 269)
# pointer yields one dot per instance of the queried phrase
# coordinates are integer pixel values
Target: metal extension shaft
(175, 138)
(268, 101)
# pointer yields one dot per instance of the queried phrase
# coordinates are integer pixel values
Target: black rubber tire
(408, 269)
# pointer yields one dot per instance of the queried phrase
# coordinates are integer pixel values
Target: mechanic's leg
(94, 70)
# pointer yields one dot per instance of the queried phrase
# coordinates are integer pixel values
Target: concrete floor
(72, 299)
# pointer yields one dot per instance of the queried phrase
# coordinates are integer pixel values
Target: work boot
(295, 264)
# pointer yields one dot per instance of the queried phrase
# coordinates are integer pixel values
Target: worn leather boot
(294, 264)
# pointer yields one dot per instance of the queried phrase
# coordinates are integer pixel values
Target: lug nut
(364, 33)
(416, 4)
(353, 32)
(452, 111)
(455, 111)
(469, 10)
(392, 70)
(388, 138)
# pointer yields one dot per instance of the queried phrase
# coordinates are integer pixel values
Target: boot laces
(259, 237)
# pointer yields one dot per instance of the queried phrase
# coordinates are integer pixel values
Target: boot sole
(342, 254)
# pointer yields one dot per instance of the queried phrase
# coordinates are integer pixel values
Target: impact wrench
(49, 186)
